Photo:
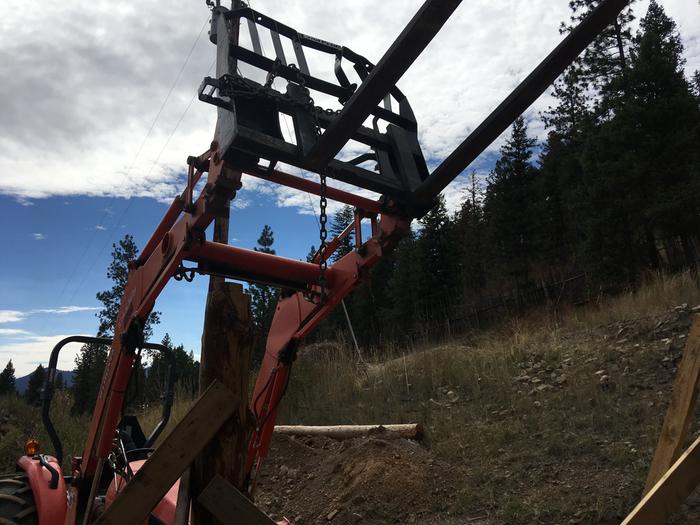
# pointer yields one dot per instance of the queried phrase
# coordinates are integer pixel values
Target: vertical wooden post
(225, 357)
(226, 352)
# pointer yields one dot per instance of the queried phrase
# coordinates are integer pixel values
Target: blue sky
(98, 117)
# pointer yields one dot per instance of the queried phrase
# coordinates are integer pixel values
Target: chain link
(240, 87)
(323, 203)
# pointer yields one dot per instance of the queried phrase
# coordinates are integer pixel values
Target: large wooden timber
(172, 457)
(667, 495)
(229, 505)
(680, 411)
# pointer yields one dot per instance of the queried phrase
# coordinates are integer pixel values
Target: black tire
(17, 501)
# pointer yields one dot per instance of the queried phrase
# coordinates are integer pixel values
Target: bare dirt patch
(364, 480)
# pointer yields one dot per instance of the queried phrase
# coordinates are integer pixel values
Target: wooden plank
(680, 410)
(172, 457)
(229, 505)
(406, 431)
(667, 495)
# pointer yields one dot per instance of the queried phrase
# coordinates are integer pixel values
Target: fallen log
(406, 431)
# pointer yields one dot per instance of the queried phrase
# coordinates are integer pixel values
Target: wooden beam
(172, 457)
(667, 495)
(226, 355)
(680, 410)
(229, 505)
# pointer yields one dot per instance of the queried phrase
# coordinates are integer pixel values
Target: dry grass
(526, 455)
(575, 451)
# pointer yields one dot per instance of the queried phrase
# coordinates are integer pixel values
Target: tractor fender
(51, 503)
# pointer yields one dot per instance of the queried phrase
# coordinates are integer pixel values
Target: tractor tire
(17, 501)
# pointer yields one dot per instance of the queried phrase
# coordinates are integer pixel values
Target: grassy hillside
(547, 419)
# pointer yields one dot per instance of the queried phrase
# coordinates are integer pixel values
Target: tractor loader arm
(248, 140)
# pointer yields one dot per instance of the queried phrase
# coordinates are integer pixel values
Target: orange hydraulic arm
(180, 237)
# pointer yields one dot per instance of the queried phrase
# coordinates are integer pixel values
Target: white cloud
(62, 310)
(13, 316)
(28, 353)
(104, 109)
(99, 227)
(13, 332)
(39, 236)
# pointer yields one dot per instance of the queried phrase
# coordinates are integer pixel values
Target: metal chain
(237, 86)
(323, 204)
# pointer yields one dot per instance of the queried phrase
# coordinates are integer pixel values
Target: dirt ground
(378, 480)
(364, 480)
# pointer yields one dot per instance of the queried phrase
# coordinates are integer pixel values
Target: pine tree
(60, 383)
(507, 212)
(7, 380)
(35, 386)
(263, 297)
(87, 375)
(90, 362)
(402, 310)
(469, 232)
(118, 271)
(641, 165)
(312, 253)
(606, 58)
(437, 266)
(341, 220)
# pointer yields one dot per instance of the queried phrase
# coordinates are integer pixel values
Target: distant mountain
(22, 382)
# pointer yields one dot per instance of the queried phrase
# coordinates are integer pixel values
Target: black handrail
(48, 391)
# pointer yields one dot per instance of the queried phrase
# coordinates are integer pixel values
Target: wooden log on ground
(680, 410)
(406, 431)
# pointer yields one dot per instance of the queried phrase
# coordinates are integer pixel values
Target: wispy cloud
(39, 236)
(11, 316)
(13, 332)
(14, 316)
(26, 354)
(61, 310)
(99, 227)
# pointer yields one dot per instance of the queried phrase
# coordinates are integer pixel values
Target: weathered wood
(226, 351)
(680, 410)
(406, 431)
(172, 457)
(667, 495)
(229, 505)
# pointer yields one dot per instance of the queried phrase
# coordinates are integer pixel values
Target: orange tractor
(248, 141)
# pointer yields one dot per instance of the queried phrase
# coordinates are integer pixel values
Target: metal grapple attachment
(386, 157)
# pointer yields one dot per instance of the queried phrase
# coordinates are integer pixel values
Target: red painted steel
(51, 504)
(264, 266)
(309, 186)
(180, 237)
